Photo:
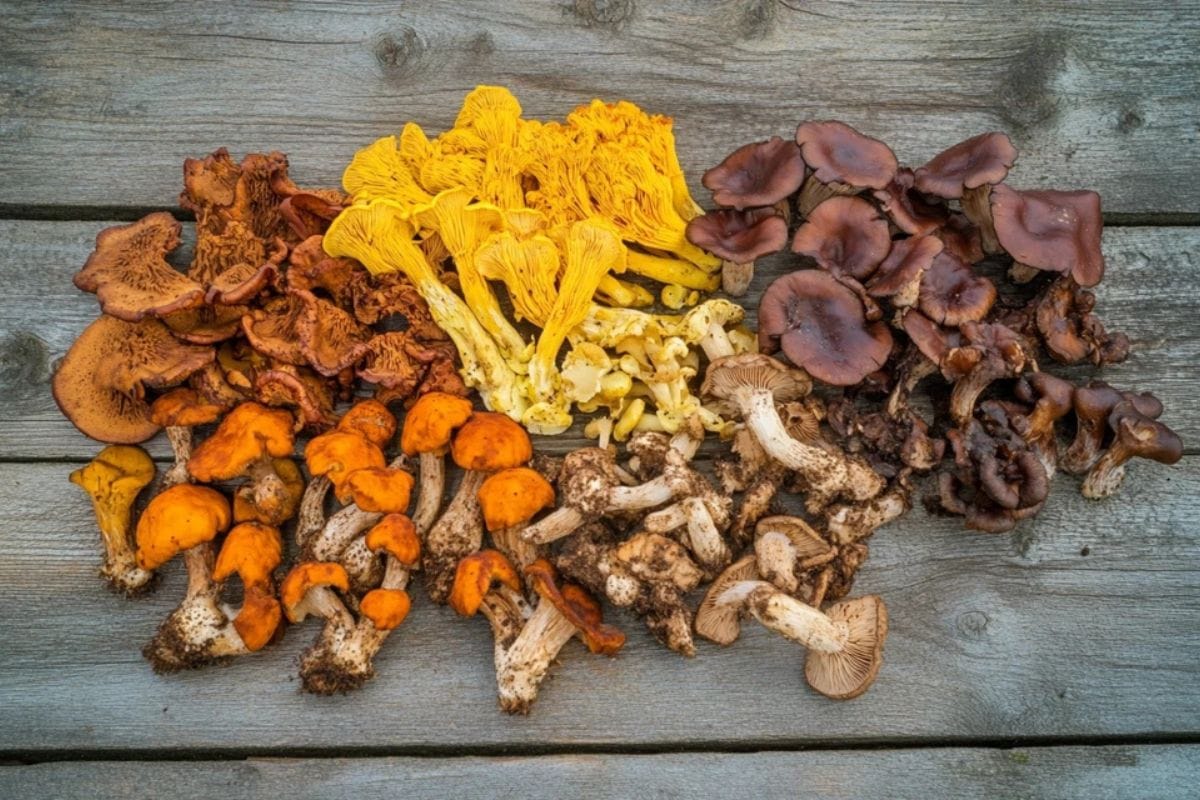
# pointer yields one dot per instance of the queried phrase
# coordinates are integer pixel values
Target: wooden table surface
(1062, 660)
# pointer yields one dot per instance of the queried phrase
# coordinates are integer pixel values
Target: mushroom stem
(913, 369)
(977, 205)
(849, 523)
(704, 540)
(527, 660)
(459, 532)
(715, 342)
(645, 495)
(787, 616)
(735, 279)
(814, 192)
(554, 526)
(339, 532)
(429, 497)
(363, 566)
(180, 438)
(510, 542)
(311, 517)
(826, 474)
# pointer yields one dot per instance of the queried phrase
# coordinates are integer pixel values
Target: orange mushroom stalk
(113, 480)
(487, 582)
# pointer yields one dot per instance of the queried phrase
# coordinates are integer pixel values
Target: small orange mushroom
(301, 591)
(386, 608)
(476, 576)
(178, 519)
(380, 489)
(509, 499)
(396, 535)
(371, 420)
(248, 434)
(337, 454)
(259, 618)
(428, 427)
(489, 442)
(252, 550)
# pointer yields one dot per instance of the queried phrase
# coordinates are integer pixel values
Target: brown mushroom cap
(298, 388)
(845, 235)
(951, 292)
(978, 161)
(756, 174)
(907, 261)
(100, 384)
(1069, 329)
(330, 339)
(821, 327)
(720, 623)
(907, 209)
(206, 324)
(273, 329)
(738, 236)
(395, 361)
(129, 273)
(242, 282)
(934, 341)
(849, 672)
(839, 154)
(1051, 230)
(579, 607)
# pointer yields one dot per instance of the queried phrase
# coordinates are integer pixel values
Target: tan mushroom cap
(100, 384)
(178, 519)
(300, 389)
(330, 339)
(721, 623)
(129, 273)
(846, 674)
(729, 374)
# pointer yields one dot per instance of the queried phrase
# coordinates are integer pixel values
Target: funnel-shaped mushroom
(756, 174)
(1052, 399)
(821, 326)
(738, 238)
(129, 274)
(1135, 435)
(951, 293)
(1093, 404)
(487, 443)
(100, 384)
(898, 278)
(113, 480)
(754, 383)
(968, 171)
(846, 236)
(843, 161)
(845, 644)
(428, 426)
(1051, 230)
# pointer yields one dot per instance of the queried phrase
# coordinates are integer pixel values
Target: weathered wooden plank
(1148, 293)
(99, 103)
(1063, 773)
(1083, 622)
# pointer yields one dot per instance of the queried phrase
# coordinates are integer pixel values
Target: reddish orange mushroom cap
(307, 576)
(337, 454)
(431, 422)
(513, 496)
(574, 603)
(380, 489)
(183, 407)
(396, 535)
(474, 578)
(386, 608)
(258, 619)
(489, 442)
(248, 433)
(178, 519)
(252, 550)
(371, 420)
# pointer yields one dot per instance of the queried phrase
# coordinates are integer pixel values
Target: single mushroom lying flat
(563, 611)
(1051, 230)
(754, 383)
(113, 480)
(791, 555)
(845, 644)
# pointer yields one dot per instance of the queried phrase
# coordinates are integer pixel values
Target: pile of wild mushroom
(945, 278)
(298, 303)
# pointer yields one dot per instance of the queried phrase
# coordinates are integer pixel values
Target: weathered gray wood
(1062, 773)
(1083, 622)
(1148, 293)
(99, 103)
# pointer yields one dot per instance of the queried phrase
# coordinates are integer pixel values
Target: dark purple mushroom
(758, 174)
(738, 237)
(821, 327)
(908, 210)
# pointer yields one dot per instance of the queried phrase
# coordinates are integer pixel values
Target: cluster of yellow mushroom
(552, 213)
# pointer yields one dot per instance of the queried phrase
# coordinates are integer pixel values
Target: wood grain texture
(99, 102)
(1082, 622)
(1147, 293)
(1062, 773)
